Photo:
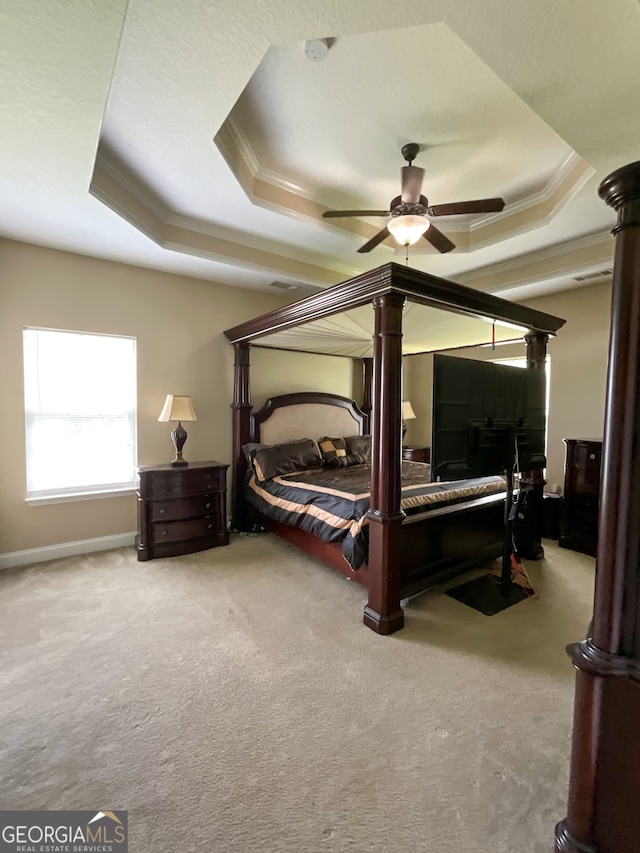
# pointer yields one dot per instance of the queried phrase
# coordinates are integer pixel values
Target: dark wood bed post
(241, 407)
(533, 481)
(383, 613)
(604, 785)
(367, 387)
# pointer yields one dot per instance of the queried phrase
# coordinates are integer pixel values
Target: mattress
(332, 503)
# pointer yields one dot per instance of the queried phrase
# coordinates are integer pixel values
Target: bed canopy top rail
(413, 285)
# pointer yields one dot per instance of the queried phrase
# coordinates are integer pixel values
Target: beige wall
(280, 372)
(578, 372)
(178, 323)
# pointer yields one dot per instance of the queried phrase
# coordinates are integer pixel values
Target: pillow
(359, 445)
(275, 459)
(335, 454)
(248, 449)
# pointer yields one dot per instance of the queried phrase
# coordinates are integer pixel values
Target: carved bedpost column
(533, 481)
(383, 613)
(604, 785)
(241, 407)
(367, 390)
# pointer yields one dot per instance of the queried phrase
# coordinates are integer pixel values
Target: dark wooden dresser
(416, 454)
(579, 527)
(181, 510)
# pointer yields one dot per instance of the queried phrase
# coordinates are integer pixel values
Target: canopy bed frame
(386, 288)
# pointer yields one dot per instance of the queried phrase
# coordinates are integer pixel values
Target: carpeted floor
(233, 701)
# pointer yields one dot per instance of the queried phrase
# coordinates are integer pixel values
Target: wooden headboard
(310, 414)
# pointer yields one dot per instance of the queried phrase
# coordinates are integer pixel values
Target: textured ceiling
(196, 136)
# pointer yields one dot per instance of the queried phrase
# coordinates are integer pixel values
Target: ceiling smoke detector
(316, 49)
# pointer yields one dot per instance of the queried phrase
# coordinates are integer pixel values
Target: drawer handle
(209, 526)
(592, 456)
(164, 532)
(162, 510)
(207, 505)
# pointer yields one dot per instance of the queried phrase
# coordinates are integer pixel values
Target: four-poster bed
(405, 554)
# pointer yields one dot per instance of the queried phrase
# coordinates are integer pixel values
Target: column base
(565, 843)
(383, 625)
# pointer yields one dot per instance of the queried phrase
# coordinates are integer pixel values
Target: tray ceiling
(198, 138)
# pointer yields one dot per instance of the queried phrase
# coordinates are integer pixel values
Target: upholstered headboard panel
(307, 415)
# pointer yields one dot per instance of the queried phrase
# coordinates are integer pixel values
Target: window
(80, 407)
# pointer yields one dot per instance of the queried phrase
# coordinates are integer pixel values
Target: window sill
(53, 498)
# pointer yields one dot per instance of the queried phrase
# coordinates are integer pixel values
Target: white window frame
(38, 394)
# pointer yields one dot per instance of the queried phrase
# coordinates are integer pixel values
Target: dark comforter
(332, 503)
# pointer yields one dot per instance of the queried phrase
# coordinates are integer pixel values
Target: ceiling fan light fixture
(408, 229)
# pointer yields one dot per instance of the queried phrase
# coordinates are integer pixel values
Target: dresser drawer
(177, 484)
(586, 504)
(176, 531)
(188, 507)
(583, 526)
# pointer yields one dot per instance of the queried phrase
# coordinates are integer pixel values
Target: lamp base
(179, 436)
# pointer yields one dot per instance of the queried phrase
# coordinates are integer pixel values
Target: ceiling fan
(410, 209)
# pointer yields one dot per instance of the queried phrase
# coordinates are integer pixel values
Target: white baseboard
(65, 549)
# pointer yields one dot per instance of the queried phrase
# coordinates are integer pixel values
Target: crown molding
(124, 196)
(560, 252)
(235, 147)
(105, 163)
(573, 163)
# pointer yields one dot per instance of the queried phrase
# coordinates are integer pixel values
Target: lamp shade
(177, 409)
(408, 229)
(407, 411)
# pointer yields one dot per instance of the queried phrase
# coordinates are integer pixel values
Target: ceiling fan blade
(373, 242)
(438, 240)
(332, 214)
(411, 184)
(480, 205)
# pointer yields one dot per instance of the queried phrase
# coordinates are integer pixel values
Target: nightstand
(181, 510)
(416, 454)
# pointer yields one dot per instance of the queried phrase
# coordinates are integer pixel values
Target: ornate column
(367, 383)
(533, 481)
(241, 407)
(383, 613)
(604, 786)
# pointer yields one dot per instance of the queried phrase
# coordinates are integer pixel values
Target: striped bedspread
(332, 503)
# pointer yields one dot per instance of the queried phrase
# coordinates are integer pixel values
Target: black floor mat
(485, 594)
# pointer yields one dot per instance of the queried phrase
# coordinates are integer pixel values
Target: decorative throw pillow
(334, 452)
(276, 459)
(359, 445)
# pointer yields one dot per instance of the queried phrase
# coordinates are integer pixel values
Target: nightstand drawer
(176, 531)
(190, 507)
(416, 454)
(181, 482)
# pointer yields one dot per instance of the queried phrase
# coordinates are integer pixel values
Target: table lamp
(178, 409)
(407, 415)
